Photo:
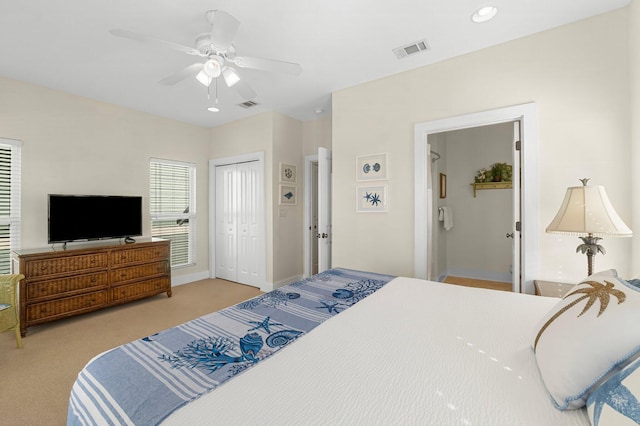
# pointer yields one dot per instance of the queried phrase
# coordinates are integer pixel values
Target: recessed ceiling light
(213, 109)
(484, 14)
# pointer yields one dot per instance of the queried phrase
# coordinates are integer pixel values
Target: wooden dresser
(61, 283)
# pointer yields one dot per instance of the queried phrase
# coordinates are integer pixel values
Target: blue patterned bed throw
(144, 381)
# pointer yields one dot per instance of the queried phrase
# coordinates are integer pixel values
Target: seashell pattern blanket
(144, 381)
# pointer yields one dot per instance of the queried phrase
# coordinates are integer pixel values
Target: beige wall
(280, 138)
(287, 224)
(583, 122)
(316, 134)
(74, 145)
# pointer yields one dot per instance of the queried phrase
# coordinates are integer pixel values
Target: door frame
(527, 114)
(262, 255)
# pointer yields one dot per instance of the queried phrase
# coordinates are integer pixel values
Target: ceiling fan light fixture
(231, 77)
(213, 109)
(212, 68)
(204, 79)
(484, 14)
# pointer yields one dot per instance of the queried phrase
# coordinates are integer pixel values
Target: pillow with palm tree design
(586, 337)
(615, 401)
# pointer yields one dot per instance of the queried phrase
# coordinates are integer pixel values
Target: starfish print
(331, 307)
(263, 324)
(367, 196)
(616, 395)
(375, 200)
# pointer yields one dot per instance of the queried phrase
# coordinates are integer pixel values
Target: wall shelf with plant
(498, 176)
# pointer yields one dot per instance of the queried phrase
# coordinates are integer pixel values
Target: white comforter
(414, 352)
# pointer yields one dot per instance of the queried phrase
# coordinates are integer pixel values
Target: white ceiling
(65, 45)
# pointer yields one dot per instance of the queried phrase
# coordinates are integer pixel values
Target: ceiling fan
(219, 52)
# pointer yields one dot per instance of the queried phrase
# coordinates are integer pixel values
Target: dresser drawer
(58, 287)
(140, 271)
(65, 265)
(140, 289)
(143, 254)
(41, 312)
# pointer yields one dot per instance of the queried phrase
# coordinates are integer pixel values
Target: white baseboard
(265, 287)
(189, 278)
(287, 281)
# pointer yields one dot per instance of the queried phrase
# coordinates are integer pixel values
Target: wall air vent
(248, 104)
(411, 49)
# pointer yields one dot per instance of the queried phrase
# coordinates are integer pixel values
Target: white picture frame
(288, 195)
(371, 167)
(371, 199)
(288, 173)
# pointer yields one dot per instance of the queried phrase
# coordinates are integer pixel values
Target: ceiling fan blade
(268, 65)
(223, 29)
(155, 41)
(189, 71)
(244, 90)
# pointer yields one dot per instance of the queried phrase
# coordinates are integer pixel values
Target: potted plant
(501, 172)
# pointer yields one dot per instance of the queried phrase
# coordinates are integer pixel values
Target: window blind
(172, 207)
(10, 164)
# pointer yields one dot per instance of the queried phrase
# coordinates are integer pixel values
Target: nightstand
(552, 288)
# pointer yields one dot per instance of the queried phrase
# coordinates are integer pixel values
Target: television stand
(63, 283)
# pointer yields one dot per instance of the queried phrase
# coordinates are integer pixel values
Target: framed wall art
(371, 167)
(288, 173)
(371, 199)
(288, 195)
(443, 185)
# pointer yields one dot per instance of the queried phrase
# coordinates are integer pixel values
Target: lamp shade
(587, 210)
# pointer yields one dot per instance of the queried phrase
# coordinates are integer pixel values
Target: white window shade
(10, 171)
(172, 207)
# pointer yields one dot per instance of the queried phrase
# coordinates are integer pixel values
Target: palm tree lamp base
(590, 247)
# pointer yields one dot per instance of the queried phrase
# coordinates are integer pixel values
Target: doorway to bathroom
(472, 239)
(524, 226)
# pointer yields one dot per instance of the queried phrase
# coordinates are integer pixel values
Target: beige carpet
(35, 382)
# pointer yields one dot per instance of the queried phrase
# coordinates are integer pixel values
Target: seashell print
(281, 338)
(250, 345)
(342, 293)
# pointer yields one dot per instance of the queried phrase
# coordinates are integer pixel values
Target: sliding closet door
(238, 236)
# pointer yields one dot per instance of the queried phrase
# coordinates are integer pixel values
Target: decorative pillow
(615, 402)
(586, 336)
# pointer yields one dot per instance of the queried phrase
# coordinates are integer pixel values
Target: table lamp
(587, 213)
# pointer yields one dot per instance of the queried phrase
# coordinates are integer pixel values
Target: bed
(345, 347)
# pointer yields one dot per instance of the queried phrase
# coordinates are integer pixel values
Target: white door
(237, 223)
(247, 219)
(226, 223)
(313, 229)
(324, 209)
(516, 241)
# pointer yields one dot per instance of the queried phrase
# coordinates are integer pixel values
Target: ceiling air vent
(248, 104)
(411, 49)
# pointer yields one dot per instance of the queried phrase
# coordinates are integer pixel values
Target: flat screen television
(93, 217)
